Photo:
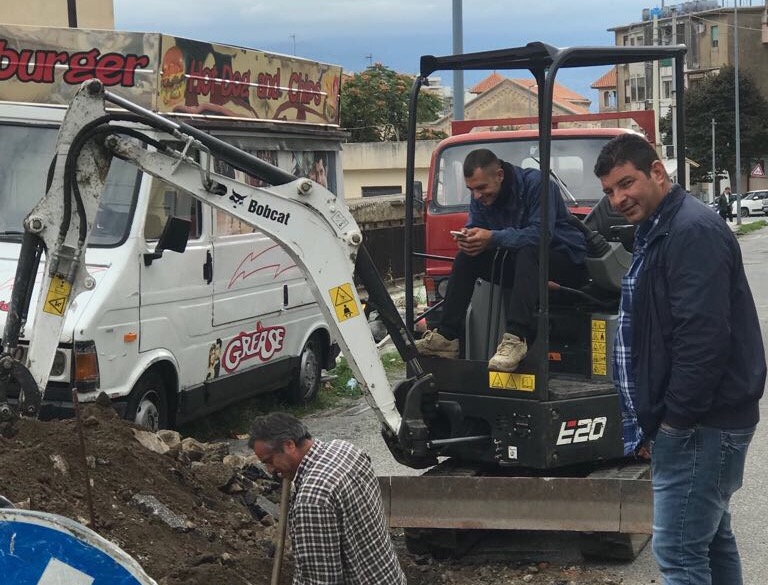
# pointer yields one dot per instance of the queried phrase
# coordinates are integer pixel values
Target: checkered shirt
(623, 374)
(337, 521)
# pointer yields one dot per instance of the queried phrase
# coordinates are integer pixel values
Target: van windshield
(572, 161)
(25, 155)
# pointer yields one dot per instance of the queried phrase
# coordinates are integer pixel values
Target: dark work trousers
(521, 276)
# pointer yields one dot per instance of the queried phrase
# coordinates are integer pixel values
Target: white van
(173, 336)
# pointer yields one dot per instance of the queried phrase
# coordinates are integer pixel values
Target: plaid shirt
(337, 522)
(623, 375)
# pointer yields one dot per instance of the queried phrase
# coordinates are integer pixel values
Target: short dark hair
(481, 158)
(626, 148)
(276, 428)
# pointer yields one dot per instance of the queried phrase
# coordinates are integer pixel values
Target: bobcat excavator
(535, 422)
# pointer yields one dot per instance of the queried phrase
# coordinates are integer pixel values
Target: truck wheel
(147, 403)
(306, 380)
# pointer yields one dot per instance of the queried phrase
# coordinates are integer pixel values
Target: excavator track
(447, 510)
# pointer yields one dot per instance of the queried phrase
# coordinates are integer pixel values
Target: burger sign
(172, 80)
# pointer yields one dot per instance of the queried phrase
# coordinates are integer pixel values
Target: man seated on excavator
(504, 216)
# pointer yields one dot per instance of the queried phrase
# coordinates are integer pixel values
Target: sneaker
(433, 343)
(509, 354)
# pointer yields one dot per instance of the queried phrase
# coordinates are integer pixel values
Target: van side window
(166, 201)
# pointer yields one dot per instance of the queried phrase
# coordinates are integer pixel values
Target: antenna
(369, 56)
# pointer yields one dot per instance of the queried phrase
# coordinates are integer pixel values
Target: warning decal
(599, 349)
(512, 381)
(57, 297)
(344, 302)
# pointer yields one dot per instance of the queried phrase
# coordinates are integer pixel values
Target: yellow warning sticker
(344, 302)
(57, 297)
(512, 381)
(599, 349)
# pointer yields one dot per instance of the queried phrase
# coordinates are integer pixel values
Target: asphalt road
(750, 505)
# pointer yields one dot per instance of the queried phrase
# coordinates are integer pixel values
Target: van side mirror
(418, 195)
(174, 238)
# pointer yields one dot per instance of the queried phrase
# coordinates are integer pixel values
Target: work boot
(509, 354)
(433, 343)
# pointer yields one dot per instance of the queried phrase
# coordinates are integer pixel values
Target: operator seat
(610, 224)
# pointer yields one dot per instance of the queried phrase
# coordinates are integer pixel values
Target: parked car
(751, 203)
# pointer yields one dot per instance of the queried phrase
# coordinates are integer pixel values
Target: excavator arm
(313, 225)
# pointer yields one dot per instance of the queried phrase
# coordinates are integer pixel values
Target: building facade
(89, 13)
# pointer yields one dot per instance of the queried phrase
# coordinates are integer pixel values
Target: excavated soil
(218, 522)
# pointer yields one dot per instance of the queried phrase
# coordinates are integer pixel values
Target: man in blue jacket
(688, 361)
(505, 214)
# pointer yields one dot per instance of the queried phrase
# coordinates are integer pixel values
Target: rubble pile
(188, 512)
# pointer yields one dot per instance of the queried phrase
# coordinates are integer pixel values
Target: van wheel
(147, 403)
(306, 380)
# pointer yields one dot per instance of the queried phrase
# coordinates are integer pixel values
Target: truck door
(176, 290)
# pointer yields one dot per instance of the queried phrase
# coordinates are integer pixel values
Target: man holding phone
(504, 213)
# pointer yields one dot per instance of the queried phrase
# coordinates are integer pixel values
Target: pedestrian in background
(689, 361)
(724, 205)
(336, 519)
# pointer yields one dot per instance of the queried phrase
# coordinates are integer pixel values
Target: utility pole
(458, 48)
(72, 13)
(714, 167)
(294, 43)
(656, 74)
(736, 110)
(675, 154)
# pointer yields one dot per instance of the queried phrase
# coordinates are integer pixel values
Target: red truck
(446, 201)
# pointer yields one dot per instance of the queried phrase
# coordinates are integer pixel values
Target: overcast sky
(352, 33)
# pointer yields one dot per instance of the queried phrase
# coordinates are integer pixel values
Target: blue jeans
(695, 473)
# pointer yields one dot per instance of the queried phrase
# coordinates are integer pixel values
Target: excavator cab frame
(535, 418)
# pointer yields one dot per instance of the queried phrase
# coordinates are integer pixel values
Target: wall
(382, 163)
(90, 13)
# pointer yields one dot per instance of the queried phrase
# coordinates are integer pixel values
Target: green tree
(374, 105)
(711, 98)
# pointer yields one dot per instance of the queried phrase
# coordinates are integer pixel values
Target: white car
(751, 203)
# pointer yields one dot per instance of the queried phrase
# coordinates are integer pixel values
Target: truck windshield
(25, 155)
(572, 161)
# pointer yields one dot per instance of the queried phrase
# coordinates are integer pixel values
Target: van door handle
(208, 268)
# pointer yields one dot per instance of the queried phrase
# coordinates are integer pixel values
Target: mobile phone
(458, 234)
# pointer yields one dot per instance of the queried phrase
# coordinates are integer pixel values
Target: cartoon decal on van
(214, 360)
(263, 343)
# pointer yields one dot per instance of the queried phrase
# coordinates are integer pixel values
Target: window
(627, 92)
(166, 201)
(24, 151)
(637, 85)
(714, 34)
(625, 40)
(609, 98)
(382, 190)
(666, 88)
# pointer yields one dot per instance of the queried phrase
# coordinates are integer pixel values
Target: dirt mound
(191, 515)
